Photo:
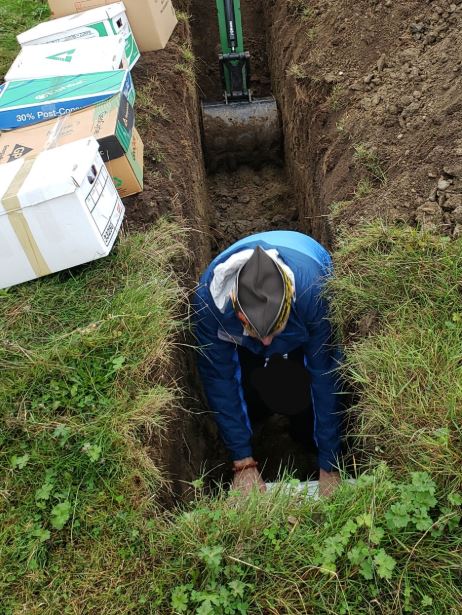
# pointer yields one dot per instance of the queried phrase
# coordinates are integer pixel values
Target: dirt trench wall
(379, 78)
(167, 117)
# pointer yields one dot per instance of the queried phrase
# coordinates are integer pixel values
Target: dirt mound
(371, 95)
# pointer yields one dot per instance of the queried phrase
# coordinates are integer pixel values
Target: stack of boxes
(69, 149)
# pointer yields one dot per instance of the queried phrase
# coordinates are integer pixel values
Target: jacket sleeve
(219, 369)
(323, 358)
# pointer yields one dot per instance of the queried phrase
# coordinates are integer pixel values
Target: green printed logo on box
(132, 53)
(99, 27)
(63, 56)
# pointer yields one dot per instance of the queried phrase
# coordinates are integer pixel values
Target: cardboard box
(23, 103)
(152, 21)
(127, 171)
(57, 210)
(67, 59)
(110, 122)
(104, 21)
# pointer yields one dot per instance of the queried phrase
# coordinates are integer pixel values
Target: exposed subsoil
(381, 77)
(385, 75)
(247, 202)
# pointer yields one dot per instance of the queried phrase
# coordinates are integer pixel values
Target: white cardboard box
(57, 210)
(152, 21)
(64, 59)
(105, 21)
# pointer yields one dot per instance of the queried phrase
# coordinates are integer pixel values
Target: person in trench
(266, 346)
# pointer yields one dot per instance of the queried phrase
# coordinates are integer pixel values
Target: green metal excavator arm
(227, 10)
(234, 60)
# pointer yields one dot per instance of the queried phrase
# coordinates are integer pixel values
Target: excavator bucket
(241, 133)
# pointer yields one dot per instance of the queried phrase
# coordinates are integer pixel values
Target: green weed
(297, 71)
(369, 160)
(224, 591)
(364, 188)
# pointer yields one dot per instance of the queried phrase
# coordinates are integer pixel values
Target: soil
(381, 74)
(174, 186)
(168, 122)
(247, 202)
(370, 97)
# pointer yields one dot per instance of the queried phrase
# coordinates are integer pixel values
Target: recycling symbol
(117, 182)
(63, 56)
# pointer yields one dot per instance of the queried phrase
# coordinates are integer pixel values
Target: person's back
(259, 301)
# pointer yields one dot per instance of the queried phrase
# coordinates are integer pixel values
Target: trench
(247, 201)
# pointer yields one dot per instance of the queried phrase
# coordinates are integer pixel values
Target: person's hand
(247, 476)
(328, 482)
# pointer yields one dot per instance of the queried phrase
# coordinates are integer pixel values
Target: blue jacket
(219, 333)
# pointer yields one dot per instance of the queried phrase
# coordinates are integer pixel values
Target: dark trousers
(267, 388)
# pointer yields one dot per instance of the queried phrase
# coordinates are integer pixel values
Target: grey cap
(260, 292)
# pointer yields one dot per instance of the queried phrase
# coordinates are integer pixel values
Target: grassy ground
(82, 355)
(15, 17)
(400, 290)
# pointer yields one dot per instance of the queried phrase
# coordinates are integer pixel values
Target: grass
(79, 522)
(17, 16)
(146, 108)
(408, 371)
(83, 355)
(183, 17)
(375, 547)
(301, 8)
(337, 98)
(188, 70)
(369, 160)
(188, 54)
(187, 67)
(297, 71)
(364, 188)
(311, 34)
(336, 208)
(85, 406)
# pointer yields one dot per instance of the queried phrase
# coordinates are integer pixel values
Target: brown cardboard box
(152, 21)
(110, 122)
(127, 171)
